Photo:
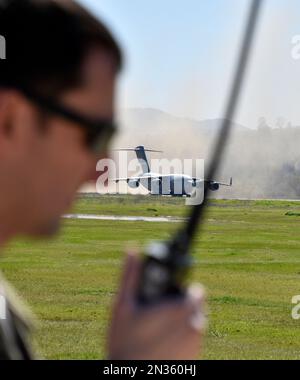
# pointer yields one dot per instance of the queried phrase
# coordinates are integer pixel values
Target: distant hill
(153, 120)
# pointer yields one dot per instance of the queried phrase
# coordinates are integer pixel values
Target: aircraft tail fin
(140, 152)
(141, 156)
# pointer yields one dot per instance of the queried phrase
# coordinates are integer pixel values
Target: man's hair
(46, 43)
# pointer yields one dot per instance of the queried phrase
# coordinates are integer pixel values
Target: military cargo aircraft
(166, 184)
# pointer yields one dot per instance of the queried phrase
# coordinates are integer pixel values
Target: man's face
(52, 164)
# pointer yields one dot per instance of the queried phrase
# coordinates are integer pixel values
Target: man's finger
(196, 297)
(186, 312)
(130, 279)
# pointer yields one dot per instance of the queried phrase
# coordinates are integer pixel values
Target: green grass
(138, 205)
(248, 258)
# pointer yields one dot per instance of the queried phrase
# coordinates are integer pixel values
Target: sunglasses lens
(99, 142)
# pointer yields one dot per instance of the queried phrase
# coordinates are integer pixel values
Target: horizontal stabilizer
(136, 149)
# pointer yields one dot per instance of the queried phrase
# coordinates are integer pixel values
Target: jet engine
(133, 184)
(213, 186)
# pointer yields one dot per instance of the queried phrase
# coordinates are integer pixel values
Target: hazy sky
(180, 55)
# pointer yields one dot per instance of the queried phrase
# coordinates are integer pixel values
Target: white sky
(180, 55)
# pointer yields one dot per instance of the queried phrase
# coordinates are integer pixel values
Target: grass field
(248, 259)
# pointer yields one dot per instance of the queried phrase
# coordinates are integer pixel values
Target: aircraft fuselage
(157, 184)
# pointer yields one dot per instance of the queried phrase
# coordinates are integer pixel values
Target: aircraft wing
(153, 176)
(208, 181)
(125, 179)
(224, 184)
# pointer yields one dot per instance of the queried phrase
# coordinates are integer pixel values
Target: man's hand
(169, 331)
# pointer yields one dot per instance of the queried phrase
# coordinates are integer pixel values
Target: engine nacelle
(213, 186)
(194, 183)
(133, 184)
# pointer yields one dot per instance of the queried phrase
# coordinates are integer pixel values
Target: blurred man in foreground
(57, 90)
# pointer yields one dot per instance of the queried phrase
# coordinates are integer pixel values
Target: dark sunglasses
(99, 133)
